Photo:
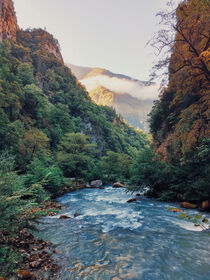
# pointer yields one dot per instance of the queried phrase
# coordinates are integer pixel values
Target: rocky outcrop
(9, 28)
(8, 20)
(53, 48)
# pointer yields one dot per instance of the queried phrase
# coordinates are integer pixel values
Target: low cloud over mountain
(131, 98)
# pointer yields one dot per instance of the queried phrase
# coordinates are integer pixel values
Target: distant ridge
(131, 98)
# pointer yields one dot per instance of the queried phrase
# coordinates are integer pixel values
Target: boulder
(131, 200)
(96, 183)
(188, 205)
(205, 206)
(64, 217)
(118, 185)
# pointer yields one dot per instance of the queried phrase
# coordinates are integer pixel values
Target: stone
(64, 217)
(96, 183)
(118, 185)
(131, 200)
(205, 206)
(76, 214)
(24, 274)
(188, 205)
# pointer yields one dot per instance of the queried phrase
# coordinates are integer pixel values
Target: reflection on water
(113, 240)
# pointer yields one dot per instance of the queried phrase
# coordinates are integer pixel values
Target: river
(113, 240)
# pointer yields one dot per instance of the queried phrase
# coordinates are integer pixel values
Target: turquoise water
(113, 240)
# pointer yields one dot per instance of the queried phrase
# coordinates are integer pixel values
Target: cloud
(135, 88)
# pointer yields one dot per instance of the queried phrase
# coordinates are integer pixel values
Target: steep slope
(132, 99)
(8, 20)
(40, 85)
(180, 119)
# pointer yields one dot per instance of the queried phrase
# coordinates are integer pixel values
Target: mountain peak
(131, 98)
(8, 20)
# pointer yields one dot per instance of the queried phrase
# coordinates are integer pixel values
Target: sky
(110, 34)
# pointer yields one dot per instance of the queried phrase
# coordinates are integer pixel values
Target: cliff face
(53, 48)
(8, 20)
(180, 119)
(9, 30)
(40, 40)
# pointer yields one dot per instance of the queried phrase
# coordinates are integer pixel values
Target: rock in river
(188, 205)
(64, 217)
(118, 185)
(131, 200)
(96, 184)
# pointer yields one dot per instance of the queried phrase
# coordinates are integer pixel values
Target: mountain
(38, 87)
(131, 98)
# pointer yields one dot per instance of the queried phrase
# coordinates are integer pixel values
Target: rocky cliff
(9, 30)
(8, 20)
(180, 119)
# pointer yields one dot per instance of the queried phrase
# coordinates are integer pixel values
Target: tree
(185, 34)
(116, 166)
(76, 155)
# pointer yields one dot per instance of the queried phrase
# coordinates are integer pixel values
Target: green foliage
(9, 259)
(167, 180)
(115, 167)
(11, 190)
(76, 155)
(42, 168)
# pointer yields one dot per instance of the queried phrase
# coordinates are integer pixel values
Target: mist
(135, 88)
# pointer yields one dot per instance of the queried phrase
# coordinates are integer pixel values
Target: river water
(113, 240)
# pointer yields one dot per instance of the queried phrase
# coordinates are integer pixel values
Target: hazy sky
(111, 34)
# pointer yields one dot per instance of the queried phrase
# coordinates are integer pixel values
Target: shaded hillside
(132, 99)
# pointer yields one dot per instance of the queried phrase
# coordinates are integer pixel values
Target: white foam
(187, 225)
